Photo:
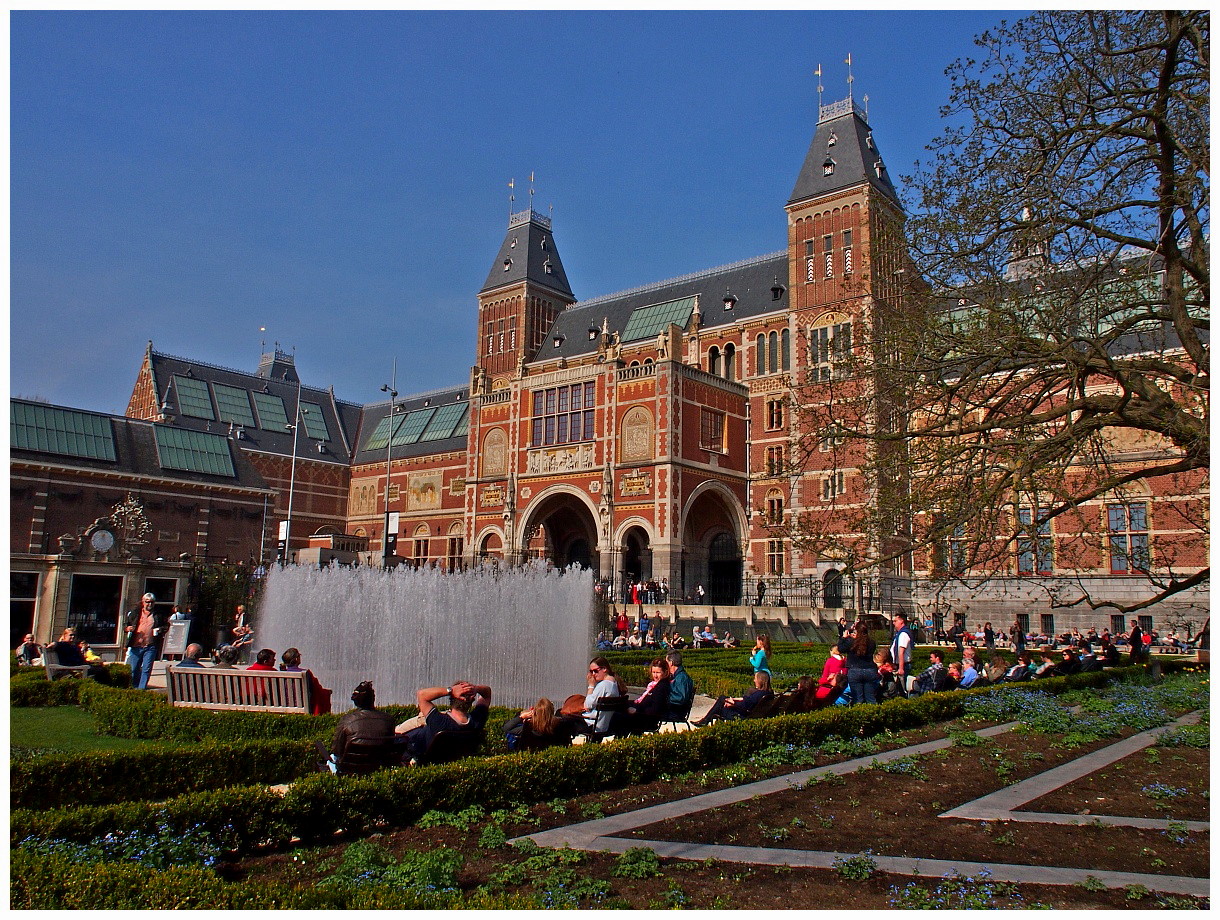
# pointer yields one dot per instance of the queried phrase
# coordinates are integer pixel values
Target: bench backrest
(50, 661)
(227, 688)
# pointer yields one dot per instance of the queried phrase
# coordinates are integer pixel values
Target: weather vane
(850, 78)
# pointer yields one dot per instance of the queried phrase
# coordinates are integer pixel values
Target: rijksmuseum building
(644, 434)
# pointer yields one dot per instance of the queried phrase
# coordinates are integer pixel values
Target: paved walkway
(600, 834)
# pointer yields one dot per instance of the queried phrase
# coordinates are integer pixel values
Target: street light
(389, 443)
(292, 480)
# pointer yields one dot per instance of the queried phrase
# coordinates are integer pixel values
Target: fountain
(525, 632)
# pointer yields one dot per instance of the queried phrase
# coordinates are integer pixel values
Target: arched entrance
(561, 529)
(636, 550)
(491, 546)
(832, 589)
(712, 556)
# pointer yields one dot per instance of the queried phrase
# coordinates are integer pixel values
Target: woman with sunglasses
(602, 685)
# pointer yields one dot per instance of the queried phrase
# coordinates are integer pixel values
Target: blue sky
(342, 179)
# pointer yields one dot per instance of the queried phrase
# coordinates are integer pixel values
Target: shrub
(858, 868)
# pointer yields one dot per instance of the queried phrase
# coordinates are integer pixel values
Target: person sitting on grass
(469, 705)
(1049, 663)
(728, 708)
(1022, 670)
(954, 676)
(966, 674)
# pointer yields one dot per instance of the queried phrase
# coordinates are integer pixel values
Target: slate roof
(854, 153)
(135, 452)
(750, 281)
(340, 418)
(528, 253)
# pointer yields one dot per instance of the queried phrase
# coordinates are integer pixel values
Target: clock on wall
(101, 540)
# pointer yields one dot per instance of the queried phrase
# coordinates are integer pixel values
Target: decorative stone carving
(495, 453)
(637, 435)
(561, 460)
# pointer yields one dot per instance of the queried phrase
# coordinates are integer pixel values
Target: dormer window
(546, 267)
(869, 140)
(512, 244)
(832, 140)
(544, 243)
(828, 167)
(508, 263)
(880, 169)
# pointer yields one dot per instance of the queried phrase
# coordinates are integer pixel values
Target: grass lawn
(60, 728)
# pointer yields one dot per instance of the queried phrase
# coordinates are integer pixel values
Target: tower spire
(850, 78)
(818, 73)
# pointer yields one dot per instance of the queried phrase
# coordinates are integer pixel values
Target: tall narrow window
(420, 556)
(828, 245)
(847, 252)
(760, 354)
(711, 430)
(713, 361)
(775, 557)
(784, 339)
(453, 557)
(1035, 553)
(834, 485)
(829, 345)
(775, 508)
(730, 362)
(773, 352)
(1127, 525)
(775, 414)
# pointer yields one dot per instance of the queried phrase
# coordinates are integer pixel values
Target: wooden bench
(50, 661)
(238, 689)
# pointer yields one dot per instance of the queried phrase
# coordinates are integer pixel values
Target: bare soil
(891, 814)
(1175, 777)
(897, 815)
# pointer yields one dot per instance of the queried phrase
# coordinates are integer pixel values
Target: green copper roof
(193, 398)
(61, 431)
(645, 322)
(193, 451)
(234, 404)
(271, 414)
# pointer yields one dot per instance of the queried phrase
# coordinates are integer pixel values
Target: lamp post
(389, 443)
(292, 480)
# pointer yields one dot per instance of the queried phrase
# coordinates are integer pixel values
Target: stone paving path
(600, 834)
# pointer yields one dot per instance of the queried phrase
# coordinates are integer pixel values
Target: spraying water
(525, 632)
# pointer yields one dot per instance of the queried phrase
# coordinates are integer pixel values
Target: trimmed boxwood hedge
(319, 806)
(30, 687)
(52, 883)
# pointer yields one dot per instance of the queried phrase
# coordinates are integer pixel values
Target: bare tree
(1046, 356)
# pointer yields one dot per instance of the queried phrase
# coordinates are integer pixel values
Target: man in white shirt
(901, 649)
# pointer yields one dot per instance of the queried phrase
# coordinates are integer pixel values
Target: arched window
(773, 352)
(784, 350)
(730, 362)
(713, 361)
(760, 354)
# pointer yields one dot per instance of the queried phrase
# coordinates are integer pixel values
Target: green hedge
(319, 806)
(30, 687)
(52, 883)
(153, 773)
